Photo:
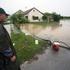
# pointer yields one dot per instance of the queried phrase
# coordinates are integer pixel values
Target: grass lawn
(25, 46)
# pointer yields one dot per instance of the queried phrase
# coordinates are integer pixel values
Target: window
(26, 17)
(35, 17)
(33, 10)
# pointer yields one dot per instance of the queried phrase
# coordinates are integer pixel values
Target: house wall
(32, 13)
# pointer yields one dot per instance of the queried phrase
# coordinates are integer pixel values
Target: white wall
(34, 13)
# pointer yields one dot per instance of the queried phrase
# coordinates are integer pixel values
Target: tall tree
(56, 17)
(44, 17)
(18, 19)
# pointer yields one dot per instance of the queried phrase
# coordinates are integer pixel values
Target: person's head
(3, 15)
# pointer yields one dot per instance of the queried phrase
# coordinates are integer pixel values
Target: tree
(13, 19)
(21, 19)
(44, 17)
(56, 17)
(18, 19)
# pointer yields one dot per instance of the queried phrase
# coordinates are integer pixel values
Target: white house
(33, 15)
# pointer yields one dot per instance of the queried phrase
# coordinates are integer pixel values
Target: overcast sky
(59, 6)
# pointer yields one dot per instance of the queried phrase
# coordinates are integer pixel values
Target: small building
(33, 15)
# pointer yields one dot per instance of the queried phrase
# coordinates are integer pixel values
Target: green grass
(25, 46)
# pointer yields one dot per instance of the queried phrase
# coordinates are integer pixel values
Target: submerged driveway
(50, 60)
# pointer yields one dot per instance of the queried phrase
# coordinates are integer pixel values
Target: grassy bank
(25, 46)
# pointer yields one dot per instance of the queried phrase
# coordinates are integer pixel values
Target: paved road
(50, 61)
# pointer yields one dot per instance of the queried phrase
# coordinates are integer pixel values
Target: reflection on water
(31, 28)
(55, 31)
(50, 61)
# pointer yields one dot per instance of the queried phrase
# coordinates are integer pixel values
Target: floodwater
(50, 60)
(53, 31)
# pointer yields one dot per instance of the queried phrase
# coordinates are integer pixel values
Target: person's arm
(10, 50)
(9, 54)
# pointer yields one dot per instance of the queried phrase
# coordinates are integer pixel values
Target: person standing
(7, 51)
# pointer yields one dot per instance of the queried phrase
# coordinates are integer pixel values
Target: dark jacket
(5, 41)
(6, 51)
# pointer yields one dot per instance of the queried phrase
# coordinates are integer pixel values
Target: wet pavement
(50, 60)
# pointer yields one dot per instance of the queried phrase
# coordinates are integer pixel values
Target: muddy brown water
(50, 60)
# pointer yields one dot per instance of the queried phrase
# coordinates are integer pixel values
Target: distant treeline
(54, 16)
(65, 17)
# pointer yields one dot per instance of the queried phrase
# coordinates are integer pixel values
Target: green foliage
(21, 18)
(13, 19)
(25, 46)
(44, 17)
(18, 19)
(56, 17)
(47, 14)
(65, 17)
